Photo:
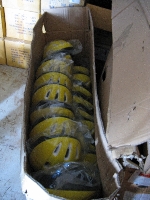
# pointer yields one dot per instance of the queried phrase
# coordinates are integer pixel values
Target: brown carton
(124, 92)
(127, 116)
(33, 6)
(20, 23)
(68, 23)
(2, 52)
(17, 52)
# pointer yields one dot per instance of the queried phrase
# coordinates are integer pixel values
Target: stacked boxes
(20, 18)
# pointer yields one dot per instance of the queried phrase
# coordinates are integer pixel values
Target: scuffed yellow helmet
(53, 127)
(55, 150)
(53, 77)
(81, 70)
(53, 92)
(55, 65)
(46, 111)
(79, 90)
(56, 46)
(83, 79)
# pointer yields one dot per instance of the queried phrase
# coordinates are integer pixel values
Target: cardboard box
(20, 23)
(128, 121)
(77, 23)
(29, 5)
(2, 52)
(45, 5)
(124, 93)
(2, 23)
(18, 52)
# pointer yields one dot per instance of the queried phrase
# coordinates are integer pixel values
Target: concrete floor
(12, 85)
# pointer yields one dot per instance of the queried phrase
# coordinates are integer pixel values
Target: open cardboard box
(67, 23)
(70, 23)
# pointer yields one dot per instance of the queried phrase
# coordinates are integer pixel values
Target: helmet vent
(59, 80)
(48, 93)
(47, 164)
(57, 149)
(65, 97)
(56, 96)
(68, 152)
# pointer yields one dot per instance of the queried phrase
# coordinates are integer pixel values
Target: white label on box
(74, 1)
(138, 178)
(133, 196)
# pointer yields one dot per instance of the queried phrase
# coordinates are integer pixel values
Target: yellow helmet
(55, 150)
(81, 114)
(56, 46)
(55, 65)
(89, 125)
(53, 92)
(90, 157)
(79, 101)
(48, 110)
(53, 127)
(71, 180)
(81, 70)
(72, 194)
(82, 79)
(53, 77)
(79, 90)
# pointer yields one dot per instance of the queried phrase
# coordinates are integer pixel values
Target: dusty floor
(12, 85)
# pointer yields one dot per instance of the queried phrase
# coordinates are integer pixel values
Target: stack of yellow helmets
(61, 104)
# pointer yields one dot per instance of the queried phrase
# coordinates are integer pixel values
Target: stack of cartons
(20, 17)
(2, 35)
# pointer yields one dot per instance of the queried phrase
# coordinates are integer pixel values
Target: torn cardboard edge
(129, 189)
(129, 155)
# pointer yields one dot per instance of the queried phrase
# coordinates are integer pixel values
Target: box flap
(101, 17)
(129, 116)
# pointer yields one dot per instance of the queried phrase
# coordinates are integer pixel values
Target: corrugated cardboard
(17, 52)
(45, 4)
(2, 52)
(29, 5)
(2, 23)
(68, 23)
(20, 23)
(128, 116)
(103, 14)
